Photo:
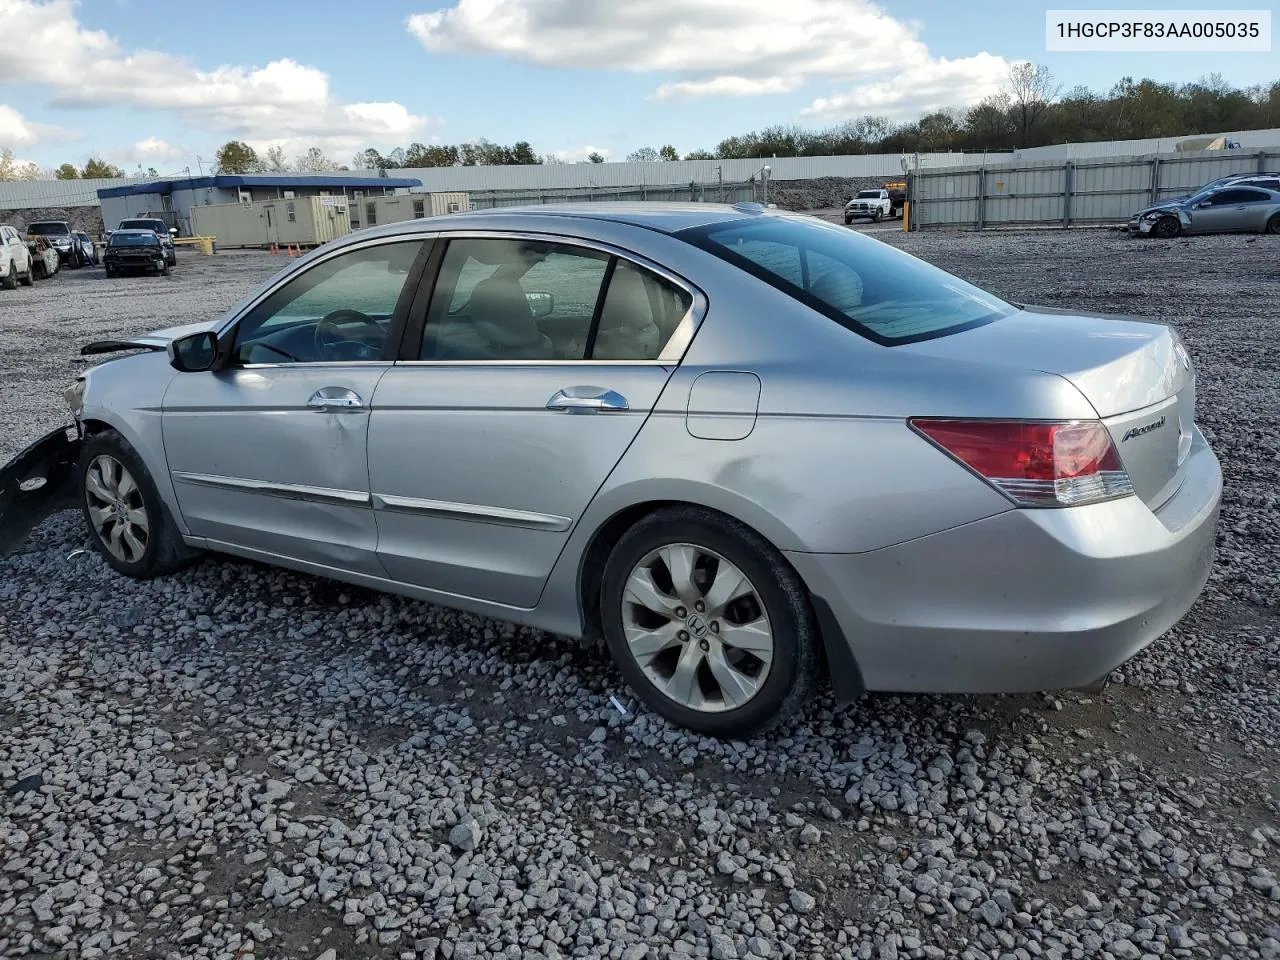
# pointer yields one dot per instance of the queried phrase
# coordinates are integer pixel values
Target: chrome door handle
(587, 400)
(335, 399)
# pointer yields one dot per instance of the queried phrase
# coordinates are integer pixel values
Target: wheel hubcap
(697, 628)
(116, 509)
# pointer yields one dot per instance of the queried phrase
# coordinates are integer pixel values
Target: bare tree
(1031, 89)
(276, 161)
(643, 155)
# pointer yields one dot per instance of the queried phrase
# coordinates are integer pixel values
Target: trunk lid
(1136, 375)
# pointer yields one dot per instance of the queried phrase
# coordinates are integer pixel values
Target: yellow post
(906, 216)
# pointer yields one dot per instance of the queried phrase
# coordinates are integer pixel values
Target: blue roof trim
(231, 181)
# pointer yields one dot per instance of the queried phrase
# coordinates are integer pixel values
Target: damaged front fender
(37, 483)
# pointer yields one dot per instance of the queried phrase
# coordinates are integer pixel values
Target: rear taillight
(1035, 464)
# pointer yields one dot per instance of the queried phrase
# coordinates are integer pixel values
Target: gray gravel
(246, 763)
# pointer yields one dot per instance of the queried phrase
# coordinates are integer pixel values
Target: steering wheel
(334, 340)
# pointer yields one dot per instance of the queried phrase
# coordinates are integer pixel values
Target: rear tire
(747, 659)
(1167, 228)
(1273, 225)
(127, 520)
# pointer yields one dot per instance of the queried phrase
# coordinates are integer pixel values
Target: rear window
(48, 229)
(870, 287)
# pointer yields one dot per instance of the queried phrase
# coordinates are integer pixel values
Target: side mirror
(173, 231)
(541, 303)
(195, 352)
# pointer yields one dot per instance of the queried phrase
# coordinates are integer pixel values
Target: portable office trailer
(300, 222)
(371, 211)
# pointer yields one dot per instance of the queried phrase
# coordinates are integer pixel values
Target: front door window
(339, 310)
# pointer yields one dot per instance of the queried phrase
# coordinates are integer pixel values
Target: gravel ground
(240, 762)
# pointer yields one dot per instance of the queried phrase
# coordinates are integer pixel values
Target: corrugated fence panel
(1249, 140)
(1102, 190)
(1033, 195)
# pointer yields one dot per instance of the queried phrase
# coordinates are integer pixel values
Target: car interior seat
(627, 329)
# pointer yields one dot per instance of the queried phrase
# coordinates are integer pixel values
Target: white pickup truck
(876, 204)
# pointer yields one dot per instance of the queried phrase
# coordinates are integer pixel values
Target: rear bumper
(1028, 599)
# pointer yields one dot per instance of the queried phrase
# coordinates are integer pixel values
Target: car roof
(661, 217)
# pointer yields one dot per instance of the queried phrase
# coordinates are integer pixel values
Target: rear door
(539, 362)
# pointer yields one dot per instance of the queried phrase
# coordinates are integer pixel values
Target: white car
(15, 259)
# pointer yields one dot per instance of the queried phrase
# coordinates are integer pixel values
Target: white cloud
(155, 149)
(580, 154)
(920, 88)
(725, 87)
(282, 100)
(723, 48)
(17, 131)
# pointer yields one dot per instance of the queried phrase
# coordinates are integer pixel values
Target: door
(1230, 211)
(268, 453)
(538, 366)
(273, 229)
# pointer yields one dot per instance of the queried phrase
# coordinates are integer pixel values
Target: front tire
(708, 624)
(875, 216)
(1167, 228)
(10, 281)
(28, 279)
(128, 522)
(848, 220)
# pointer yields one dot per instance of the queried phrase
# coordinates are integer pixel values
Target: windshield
(143, 225)
(134, 240)
(868, 194)
(48, 229)
(870, 287)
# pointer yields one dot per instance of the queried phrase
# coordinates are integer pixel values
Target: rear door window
(870, 287)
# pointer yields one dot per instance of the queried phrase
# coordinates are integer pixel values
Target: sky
(163, 85)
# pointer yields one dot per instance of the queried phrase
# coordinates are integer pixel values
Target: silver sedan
(1237, 207)
(743, 448)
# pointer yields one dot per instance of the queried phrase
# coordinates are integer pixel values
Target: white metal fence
(1090, 191)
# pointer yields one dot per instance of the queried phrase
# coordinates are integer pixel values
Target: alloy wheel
(697, 628)
(116, 509)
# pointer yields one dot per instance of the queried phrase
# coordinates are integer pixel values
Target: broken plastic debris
(618, 705)
(75, 553)
(31, 483)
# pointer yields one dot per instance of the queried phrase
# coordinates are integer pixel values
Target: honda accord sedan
(745, 449)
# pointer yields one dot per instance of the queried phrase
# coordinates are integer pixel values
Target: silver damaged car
(746, 449)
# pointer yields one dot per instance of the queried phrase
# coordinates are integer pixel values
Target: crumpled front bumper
(36, 483)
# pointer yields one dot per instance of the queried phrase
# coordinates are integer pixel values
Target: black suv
(134, 250)
(161, 230)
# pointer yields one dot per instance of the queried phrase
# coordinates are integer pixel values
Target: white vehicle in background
(15, 260)
(875, 204)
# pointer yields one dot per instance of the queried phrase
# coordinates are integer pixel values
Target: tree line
(1030, 110)
(94, 169)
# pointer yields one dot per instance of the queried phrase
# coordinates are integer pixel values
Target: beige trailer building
(300, 222)
(371, 211)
